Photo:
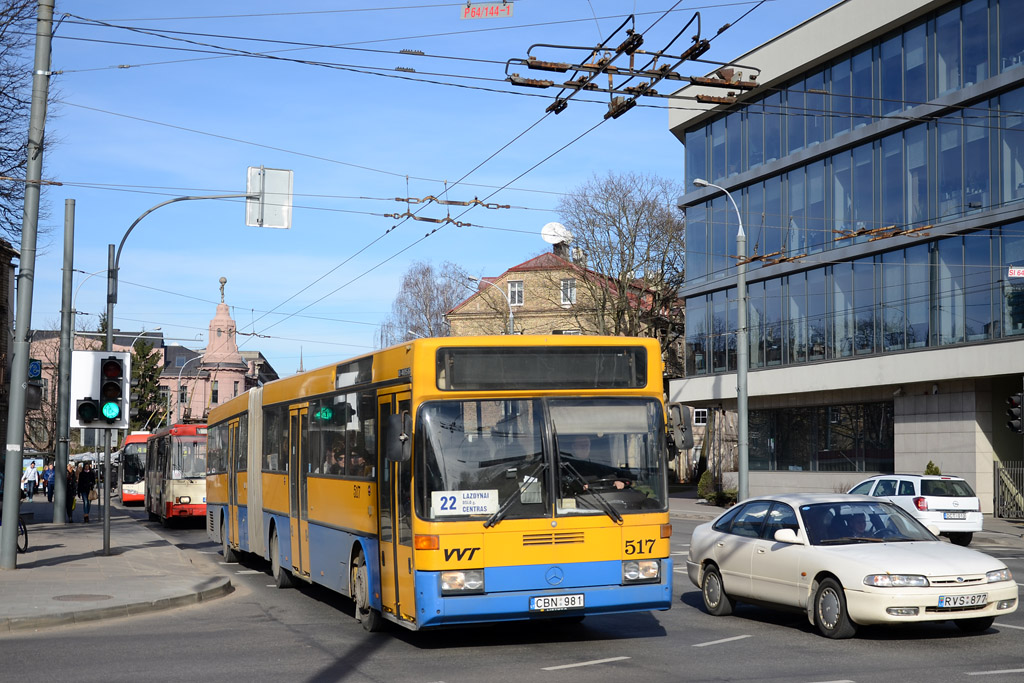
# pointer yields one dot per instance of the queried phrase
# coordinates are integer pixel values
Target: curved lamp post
(741, 347)
(511, 329)
(177, 397)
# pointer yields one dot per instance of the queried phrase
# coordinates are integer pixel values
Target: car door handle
(760, 551)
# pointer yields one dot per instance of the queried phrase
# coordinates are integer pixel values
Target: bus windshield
(494, 458)
(189, 458)
(133, 463)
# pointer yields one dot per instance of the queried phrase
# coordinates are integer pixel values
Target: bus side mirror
(679, 426)
(399, 446)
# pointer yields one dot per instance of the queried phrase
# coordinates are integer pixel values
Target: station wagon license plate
(963, 600)
(954, 515)
(553, 603)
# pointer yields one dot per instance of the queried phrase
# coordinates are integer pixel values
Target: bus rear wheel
(370, 618)
(281, 576)
(225, 546)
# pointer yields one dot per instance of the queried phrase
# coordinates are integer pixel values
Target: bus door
(232, 467)
(394, 506)
(298, 428)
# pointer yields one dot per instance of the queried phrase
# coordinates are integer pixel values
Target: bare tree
(17, 32)
(629, 239)
(426, 294)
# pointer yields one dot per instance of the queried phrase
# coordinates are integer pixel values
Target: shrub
(706, 486)
(932, 468)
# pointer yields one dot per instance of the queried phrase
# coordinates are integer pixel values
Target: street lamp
(511, 329)
(143, 334)
(177, 397)
(742, 348)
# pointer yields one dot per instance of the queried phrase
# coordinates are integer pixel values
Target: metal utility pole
(60, 485)
(26, 276)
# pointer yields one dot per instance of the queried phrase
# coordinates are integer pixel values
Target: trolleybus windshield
(492, 459)
(133, 463)
(188, 458)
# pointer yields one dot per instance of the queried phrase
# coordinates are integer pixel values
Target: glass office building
(879, 172)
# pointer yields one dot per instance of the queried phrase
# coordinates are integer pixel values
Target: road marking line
(248, 571)
(719, 642)
(845, 680)
(993, 673)
(681, 552)
(590, 663)
(271, 585)
(1010, 626)
(679, 571)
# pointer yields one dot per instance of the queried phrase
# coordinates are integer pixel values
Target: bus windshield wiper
(530, 478)
(608, 508)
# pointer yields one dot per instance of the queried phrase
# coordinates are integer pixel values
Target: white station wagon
(845, 560)
(947, 503)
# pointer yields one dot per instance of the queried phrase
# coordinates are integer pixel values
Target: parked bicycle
(22, 529)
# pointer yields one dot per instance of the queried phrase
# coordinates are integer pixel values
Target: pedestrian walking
(86, 483)
(71, 491)
(30, 480)
(48, 476)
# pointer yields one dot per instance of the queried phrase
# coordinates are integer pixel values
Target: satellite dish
(555, 233)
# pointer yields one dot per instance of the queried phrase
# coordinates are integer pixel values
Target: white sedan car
(846, 560)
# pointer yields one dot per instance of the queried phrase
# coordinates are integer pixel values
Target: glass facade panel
(864, 306)
(892, 181)
(1011, 145)
(1012, 289)
(893, 318)
(718, 151)
(979, 323)
(796, 319)
(697, 336)
(773, 307)
(696, 155)
(771, 233)
(794, 239)
(773, 130)
(842, 193)
(818, 233)
(947, 51)
(977, 162)
(755, 135)
(916, 140)
(918, 279)
(915, 66)
(863, 190)
(862, 88)
(718, 230)
(890, 73)
(814, 101)
(734, 143)
(950, 290)
(795, 116)
(975, 38)
(842, 310)
(756, 324)
(840, 99)
(696, 243)
(817, 312)
(722, 331)
(1011, 34)
(950, 167)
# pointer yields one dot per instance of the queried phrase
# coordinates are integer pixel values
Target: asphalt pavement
(66, 578)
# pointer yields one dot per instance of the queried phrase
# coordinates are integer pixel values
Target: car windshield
(952, 488)
(842, 523)
(489, 458)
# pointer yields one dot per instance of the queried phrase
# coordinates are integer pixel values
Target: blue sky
(185, 120)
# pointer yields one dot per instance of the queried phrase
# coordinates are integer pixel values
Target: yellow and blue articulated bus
(456, 480)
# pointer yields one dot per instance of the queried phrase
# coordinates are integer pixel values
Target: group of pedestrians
(81, 484)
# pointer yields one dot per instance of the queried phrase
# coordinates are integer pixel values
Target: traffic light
(87, 410)
(112, 392)
(1014, 403)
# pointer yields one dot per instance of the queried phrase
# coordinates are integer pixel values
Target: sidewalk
(684, 504)
(65, 579)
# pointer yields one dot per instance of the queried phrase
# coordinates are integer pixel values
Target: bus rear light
(426, 542)
(666, 531)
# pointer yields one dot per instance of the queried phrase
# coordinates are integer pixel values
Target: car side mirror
(788, 536)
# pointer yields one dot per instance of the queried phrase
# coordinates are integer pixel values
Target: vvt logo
(460, 553)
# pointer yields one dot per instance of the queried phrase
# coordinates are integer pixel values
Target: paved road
(263, 633)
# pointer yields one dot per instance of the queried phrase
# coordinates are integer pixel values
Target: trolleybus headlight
(462, 582)
(183, 500)
(641, 571)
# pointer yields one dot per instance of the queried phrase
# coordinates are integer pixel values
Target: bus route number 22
(640, 547)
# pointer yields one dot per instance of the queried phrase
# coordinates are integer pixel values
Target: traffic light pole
(111, 296)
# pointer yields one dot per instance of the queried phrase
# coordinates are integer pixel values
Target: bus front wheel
(281, 576)
(370, 618)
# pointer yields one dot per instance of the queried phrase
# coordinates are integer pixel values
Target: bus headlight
(183, 500)
(641, 571)
(462, 581)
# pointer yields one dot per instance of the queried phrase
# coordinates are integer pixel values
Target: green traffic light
(111, 410)
(324, 413)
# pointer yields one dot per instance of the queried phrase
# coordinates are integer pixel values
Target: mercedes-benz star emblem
(554, 576)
